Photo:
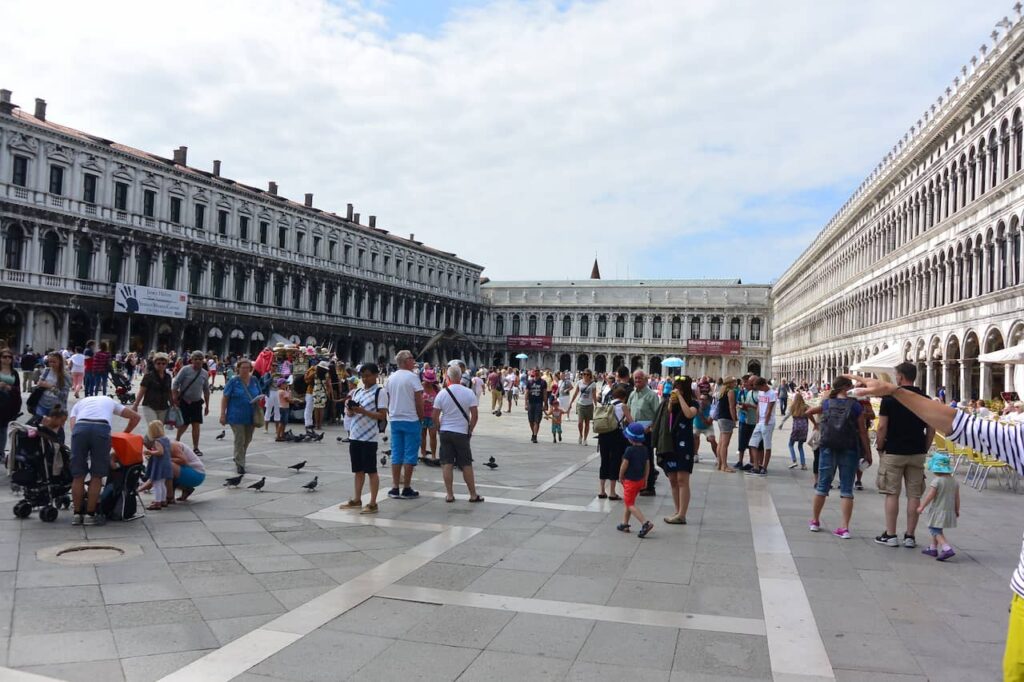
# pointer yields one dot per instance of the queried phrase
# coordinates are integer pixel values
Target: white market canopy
(1014, 355)
(883, 363)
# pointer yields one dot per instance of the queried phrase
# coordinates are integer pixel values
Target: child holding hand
(555, 413)
(633, 476)
(158, 470)
(944, 496)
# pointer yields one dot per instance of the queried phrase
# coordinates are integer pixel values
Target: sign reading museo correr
(132, 298)
(528, 342)
(713, 347)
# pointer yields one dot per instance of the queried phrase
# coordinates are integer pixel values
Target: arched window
(14, 247)
(531, 326)
(585, 326)
(549, 325)
(638, 326)
(51, 249)
(1018, 138)
(734, 329)
(566, 325)
(677, 327)
(84, 269)
(499, 324)
(620, 326)
(716, 328)
(755, 329)
(656, 327)
(602, 326)
(516, 326)
(695, 327)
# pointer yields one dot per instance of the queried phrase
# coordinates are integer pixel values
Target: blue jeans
(846, 462)
(405, 442)
(792, 453)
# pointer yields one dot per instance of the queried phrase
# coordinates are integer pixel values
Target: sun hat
(635, 432)
(278, 347)
(429, 375)
(280, 381)
(323, 364)
(939, 463)
(310, 351)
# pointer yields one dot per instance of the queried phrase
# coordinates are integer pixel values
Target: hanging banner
(712, 347)
(528, 342)
(132, 298)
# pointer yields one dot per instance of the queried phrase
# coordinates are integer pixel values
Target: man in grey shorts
(91, 422)
(455, 412)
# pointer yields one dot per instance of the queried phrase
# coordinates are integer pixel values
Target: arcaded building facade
(926, 257)
(80, 215)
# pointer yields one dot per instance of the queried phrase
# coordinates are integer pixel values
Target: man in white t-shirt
(761, 438)
(91, 422)
(456, 412)
(405, 393)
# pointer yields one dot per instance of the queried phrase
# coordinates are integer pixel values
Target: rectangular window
(149, 203)
(89, 188)
(264, 229)
(175, 210)
(316, 246)
(121, 196)
(222, 222)
(282, 237)
(332, 250)
(57, 180)
(373, 262)
(200, 216)
(243, 228)
(348, 255)
(299, 238)
(361, 258)
(19, 174)
(387, 265)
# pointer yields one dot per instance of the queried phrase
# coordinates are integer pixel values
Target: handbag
(173, 417)
(33, 399)
(257, 411)
(814, 440)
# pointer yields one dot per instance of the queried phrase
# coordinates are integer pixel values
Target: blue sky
(676, 139)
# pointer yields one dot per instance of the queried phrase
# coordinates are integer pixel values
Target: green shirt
(643, 405)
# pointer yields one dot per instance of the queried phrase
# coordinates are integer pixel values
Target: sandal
(624, 527)
(156, 506)
(602, 496)
(614, 498)
(449, 499)
(476, 499)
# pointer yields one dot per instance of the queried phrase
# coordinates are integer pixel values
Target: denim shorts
(934, 531)
(846, 462)
(90, 449)
(405, 442)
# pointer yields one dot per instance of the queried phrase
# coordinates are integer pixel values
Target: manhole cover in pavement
(83, 553)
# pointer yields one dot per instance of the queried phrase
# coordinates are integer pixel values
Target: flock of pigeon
(235, 481)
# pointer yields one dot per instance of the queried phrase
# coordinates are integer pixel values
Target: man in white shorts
(761, 439)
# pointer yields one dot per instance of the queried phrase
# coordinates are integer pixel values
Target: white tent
(882, 364)
(1014, 355)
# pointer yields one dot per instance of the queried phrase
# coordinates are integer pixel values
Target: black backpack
(382, 424)
(838, 428)
(299, 383)
(119, 500)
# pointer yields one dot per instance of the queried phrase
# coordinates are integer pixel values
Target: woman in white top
(76, 363)
(189, 472)
(586, 388)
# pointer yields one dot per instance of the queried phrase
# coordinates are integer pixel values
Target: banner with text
(528, 342)
(713, 347)
(132, 298)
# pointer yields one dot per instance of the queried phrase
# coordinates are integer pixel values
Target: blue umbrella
(673, 362)
(522, 356)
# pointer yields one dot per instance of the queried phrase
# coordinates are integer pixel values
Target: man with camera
(367, 409)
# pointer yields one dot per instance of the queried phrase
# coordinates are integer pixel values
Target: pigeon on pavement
(298, 467)
(311, 486)
(491, 464)
(233, 481)
(258, 485)
(221, 435)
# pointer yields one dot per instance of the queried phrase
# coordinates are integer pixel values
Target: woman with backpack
(608, 424)
(844, 436)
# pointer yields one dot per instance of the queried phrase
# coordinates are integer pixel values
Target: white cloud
(523, 129)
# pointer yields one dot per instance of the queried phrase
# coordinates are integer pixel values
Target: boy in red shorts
(633, 476)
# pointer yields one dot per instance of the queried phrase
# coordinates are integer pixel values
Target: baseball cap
(635, 432)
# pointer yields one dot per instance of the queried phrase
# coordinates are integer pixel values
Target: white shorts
(761, 438)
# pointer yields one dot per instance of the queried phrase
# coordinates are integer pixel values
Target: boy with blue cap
(944, 496)
(633, 476)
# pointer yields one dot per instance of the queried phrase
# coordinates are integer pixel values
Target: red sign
(528, 342)
(710, 347)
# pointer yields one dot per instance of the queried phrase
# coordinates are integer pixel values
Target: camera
(351, 404)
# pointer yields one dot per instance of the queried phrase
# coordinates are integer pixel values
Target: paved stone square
(533, 584)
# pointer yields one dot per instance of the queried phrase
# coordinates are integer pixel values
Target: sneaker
(369, 509)
(394, 494)
(409, 494)
(624, 527)
(946, 554)
(199, 453)
(77, 519)
(887, 540)
(586, 441)
(240, 470)
(930, 551)
(909, 541)
(648, 527)
(751, 470)
(351, 504)
(843, 533)
(803, 467)
(747, 467)
(580, 441)
(763, 472)
(737, 465)
(94, 520)
(794, 465)
(858, 485)
(813, 526)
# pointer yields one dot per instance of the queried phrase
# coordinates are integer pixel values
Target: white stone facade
(602, 324)
(926, 256)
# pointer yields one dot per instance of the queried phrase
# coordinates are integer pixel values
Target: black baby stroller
(122, 387)
(119, 499)
(40, 467)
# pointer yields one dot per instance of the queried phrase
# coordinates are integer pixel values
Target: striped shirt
(1006, 442)
(361, 427)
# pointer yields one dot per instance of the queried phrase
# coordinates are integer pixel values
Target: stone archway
(600, 363)
(992, 375)
(754, 367)
(564, 362)
(970, 367)
(11, 325)
(582, 362)
(654, 365)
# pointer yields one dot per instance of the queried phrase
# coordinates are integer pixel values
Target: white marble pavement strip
(12, 675)
(548, 607)
(561, 476)
(236, 657)
(520, 503)
(794, 642)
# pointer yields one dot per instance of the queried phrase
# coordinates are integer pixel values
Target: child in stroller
(122, 387)
(39, 466)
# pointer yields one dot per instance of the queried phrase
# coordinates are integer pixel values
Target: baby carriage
(122, 388)
(119, 499)
(40, 468)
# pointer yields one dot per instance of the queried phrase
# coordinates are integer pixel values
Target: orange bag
(127, 448)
